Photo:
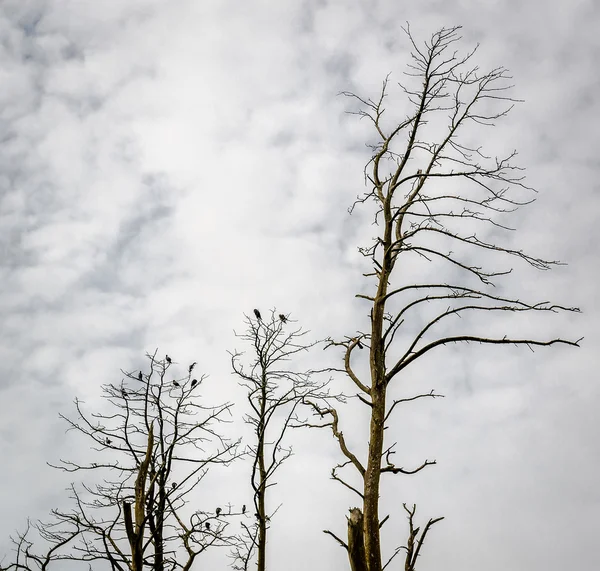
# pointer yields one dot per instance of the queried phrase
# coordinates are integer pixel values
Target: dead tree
(274, 394)
(432, 194)
(57, 540)
(154, 444)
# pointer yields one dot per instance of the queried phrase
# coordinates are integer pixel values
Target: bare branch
(396, 402)
(336, 433)
(341, 542)
(483, 340)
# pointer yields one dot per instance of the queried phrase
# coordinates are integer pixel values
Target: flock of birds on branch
(194, 382)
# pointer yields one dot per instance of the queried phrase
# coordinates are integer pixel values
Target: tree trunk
(372, 479)
(356, 541)
(262, 486)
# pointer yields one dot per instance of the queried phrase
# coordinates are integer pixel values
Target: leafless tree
(274, 393)
(432, 193)
(153, 445)
(56, 540)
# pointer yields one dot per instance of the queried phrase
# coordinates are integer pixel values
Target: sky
(168, 166)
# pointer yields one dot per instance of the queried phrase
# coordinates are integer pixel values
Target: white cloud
(167, 166)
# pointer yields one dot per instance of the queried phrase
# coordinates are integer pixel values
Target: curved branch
(398, 401)
(335, 477)
(339, 435)
(542, 306)
(471, 338)
(350, 346)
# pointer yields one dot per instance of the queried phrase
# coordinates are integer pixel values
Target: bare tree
(154, 444)
(56, 539)
(274, 394)
(431, 194)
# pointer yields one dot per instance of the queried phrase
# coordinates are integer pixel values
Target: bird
(218, 512)
(168, 359)
(244, 509)
(124, 393)
(360, 345)
(140, 378)
(191, 368)
(108, 441)
(257, 313)
(207, 525)
(283, 318)
(174, 485)
(176, 384)
(194, 382)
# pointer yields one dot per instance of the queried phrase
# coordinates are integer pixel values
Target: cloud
(168, 166)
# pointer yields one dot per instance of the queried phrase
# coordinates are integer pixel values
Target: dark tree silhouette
(135, 516)
(274, 392)
(424, 215)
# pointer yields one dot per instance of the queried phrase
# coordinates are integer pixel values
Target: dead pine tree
(152, 445)
(432, 194)
(274, 393)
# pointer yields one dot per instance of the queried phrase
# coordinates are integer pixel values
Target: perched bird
(191, 367)
(207, 525)
(218, 511)
(360, 345)
(244, 509)
(124, 393)
(108, 441)
(168, 359)
(140, 378)
(283, 318)
(174, 485)
(257, 313)
(194, 382)
(176, 384)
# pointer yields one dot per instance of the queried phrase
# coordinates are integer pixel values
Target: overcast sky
(167, 166)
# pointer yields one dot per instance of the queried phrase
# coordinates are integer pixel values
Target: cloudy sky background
(168, 166)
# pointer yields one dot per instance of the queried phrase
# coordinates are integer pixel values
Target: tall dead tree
(432, 194)
(153, 444)
(274, 393)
